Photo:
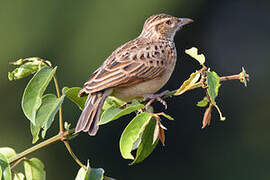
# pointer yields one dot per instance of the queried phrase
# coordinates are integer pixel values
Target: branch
(45, 143)
(241, 76)
(62, 133)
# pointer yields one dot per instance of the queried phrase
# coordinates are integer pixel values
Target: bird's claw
(155, 97)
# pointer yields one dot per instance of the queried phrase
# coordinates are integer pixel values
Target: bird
(136, 69)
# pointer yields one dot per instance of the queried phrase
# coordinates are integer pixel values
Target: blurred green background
(77, 36)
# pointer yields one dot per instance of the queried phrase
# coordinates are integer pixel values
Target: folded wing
(132, 63)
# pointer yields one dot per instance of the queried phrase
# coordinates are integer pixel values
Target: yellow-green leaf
(193, 52)
(193, 79)
(166, 116)
(8, 152)
(24, 70)
(203, 102)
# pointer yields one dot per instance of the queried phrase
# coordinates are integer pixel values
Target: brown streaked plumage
(141, 66)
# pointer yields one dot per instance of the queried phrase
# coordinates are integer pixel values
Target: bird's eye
(169, 22)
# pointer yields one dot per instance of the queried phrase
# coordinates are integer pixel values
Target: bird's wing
(134, 62)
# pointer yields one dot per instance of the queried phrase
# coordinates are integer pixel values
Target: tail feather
(88, 121)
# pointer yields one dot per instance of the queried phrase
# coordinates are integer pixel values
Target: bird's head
(163, 26)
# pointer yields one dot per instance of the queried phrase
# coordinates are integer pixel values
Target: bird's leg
(155, 97)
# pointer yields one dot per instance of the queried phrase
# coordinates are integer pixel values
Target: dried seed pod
(207, 117)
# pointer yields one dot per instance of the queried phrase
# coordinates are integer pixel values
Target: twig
(45, 143)
(17, 162)
(73, 155)
(61, 127)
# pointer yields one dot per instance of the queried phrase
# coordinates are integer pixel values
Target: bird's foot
(155, 97)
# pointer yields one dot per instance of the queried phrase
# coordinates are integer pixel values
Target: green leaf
(7, 152)
(34, 169)
(18, 176)
(94, 174)
(137, 143)
(132, 132)
(5, 168)
(45, 114)
(34, 90)
(187, 85)
(24, 70)
(150, 109)
(47, 111)
(212, 81)
(146, 146)
(203, 102)
(35, 132)
(112, 101)
(0, 172)
(114, 113)
(72, 94)
(90, 173)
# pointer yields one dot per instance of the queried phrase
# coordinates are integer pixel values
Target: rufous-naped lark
(139, 67)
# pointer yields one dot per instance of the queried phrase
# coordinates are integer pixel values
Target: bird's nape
(163, 26)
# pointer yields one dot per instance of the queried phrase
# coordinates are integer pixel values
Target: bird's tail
(88, 121)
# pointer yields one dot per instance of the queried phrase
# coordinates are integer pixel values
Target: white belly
(147, 87)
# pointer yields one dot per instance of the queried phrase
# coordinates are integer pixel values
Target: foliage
(5, 172)
(90, 173)
(141, 134)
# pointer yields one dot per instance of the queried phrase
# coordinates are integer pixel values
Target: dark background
(77, 36)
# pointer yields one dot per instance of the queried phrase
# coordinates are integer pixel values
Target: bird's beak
(184, 21)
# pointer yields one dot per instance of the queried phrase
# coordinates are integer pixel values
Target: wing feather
(129, 64)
